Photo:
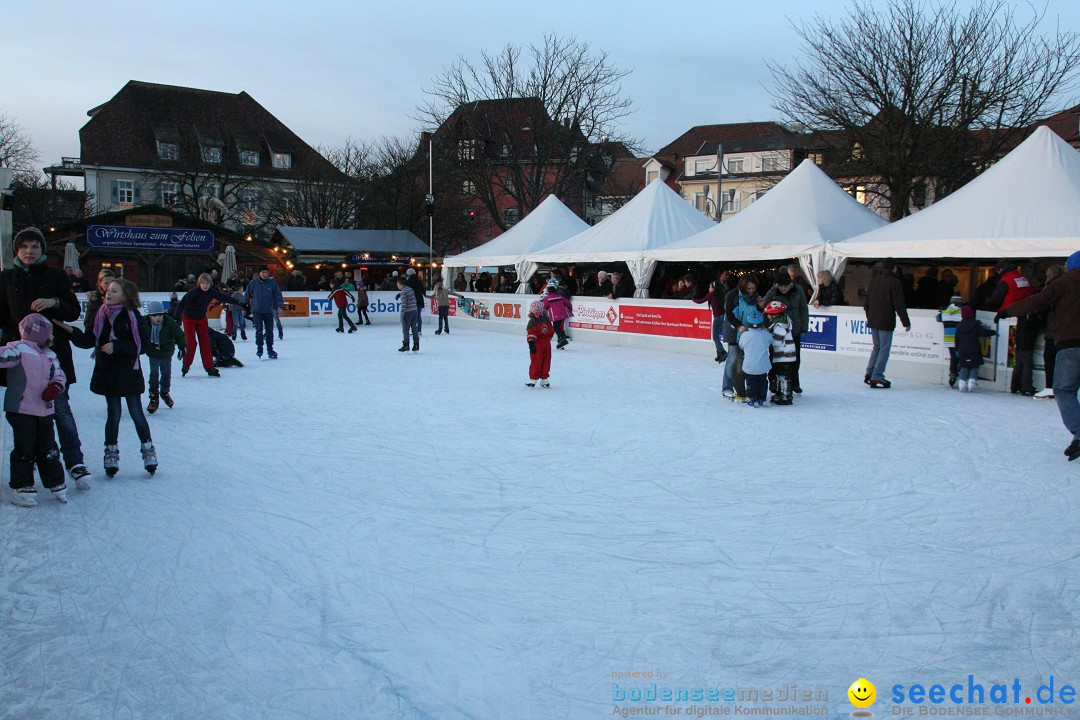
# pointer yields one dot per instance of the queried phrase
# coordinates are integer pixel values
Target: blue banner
(121, 237)
(821, 334)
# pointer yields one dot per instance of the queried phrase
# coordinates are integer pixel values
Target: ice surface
(353, 532)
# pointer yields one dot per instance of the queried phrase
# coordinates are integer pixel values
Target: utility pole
(719, 193)
(430, 202)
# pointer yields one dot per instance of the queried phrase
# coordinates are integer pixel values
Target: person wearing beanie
(413, 281)
(968, 348)
(408, 316)
(884, 302)
(1063, 297)
(34, 286)
(949, 317)
(538, 332)
(264, 298)
(34, 381)
(166, 336)
(787, 291)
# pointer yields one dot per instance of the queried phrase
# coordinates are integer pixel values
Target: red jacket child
(539, 332)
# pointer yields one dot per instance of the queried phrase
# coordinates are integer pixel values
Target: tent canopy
(797, 217)
(549, 224)
(1025, 205)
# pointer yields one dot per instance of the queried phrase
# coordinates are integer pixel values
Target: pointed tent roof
(804, 211)
(1026, 205)
(655, 217)
(550, 223)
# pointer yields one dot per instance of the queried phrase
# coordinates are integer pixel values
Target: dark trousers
(343, 317)
(560, 331)
(738, 377)
(66, 431)
(756, 387)
(444, 318)
(954, 363)
(1021, 377)
(793, 374)
(1049, 353)
(34, 444)
(361, 314)
(264, 330)
(409, 324)
(112, 418)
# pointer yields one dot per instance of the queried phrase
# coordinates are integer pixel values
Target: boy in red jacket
(539, 332)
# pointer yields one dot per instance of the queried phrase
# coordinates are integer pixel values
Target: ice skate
(404, 347)
(112, 460)
(545, 383)
(1047, 394)
(271, 354)
(352, 330)
(149, 457)
(81, 475)
(184, 369)
(213, 372)
(416, 346)
(24, 497)
(60, 492)
(167, 399)
(530, 383)
(1072, 452)
(340, 330)
(153, 405)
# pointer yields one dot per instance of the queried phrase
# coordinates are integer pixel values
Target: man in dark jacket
(417, 285)
(264, 298)
(32, 286)
(1063, 295)
(884, 301)
(791, 294)
(296, 282)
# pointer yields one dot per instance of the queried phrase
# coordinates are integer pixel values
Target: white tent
(655, 217)
(549, 224)
(795, 219)
(1026, 205)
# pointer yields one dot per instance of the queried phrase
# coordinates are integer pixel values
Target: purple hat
(35, 328)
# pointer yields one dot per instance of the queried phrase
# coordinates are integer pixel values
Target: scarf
(155, 332)
(23, 266)
(111, 312)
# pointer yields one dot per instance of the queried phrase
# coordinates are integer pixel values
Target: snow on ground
(353, 532)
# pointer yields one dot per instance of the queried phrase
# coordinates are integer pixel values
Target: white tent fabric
(795, 219)
(1026, 205)
(655, 217)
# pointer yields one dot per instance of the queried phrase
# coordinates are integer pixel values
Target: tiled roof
(1065, 123)
(691, 141)
(124, 131)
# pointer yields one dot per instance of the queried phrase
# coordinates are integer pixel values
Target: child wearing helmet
(783, 352)
(538, 333)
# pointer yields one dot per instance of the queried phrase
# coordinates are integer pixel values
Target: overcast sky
(334, 70)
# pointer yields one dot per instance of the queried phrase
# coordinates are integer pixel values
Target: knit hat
(967, 312)
(552, 282)
(155, 307)
(29, 233)
(782, 278)
(35, 328)
(1073, 262)
(536, 308)
(410, 271)
(753, 318)
(888, 263)
(263, 267)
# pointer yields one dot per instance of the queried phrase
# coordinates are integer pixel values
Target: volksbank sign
(119, 237)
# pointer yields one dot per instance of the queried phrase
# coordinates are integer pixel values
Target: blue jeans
(277, 319)
(238, 323)
(70, 446)
(757, 387)
(408, 323)
(264, 326)
(1066, 384)
(112, 418)
(967, 373)
(419, 318)
(729, 366)
(160, 374)
(879, 356)
(718, 333)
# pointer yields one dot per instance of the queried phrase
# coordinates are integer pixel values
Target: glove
(1000, 316)
(532, 347)
(180, 353)
(52, 391)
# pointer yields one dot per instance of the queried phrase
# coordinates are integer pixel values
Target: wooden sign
(149, 220)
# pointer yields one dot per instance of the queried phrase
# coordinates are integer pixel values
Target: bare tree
(917, 93)
(524, 124)
(321, 196)
(16, 148)
(222, 192)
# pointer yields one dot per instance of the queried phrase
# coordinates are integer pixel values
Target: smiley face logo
(862, 693)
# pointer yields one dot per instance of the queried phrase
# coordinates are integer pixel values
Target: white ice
(353, 532)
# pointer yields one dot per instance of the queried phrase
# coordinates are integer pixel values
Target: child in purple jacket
(34, 380)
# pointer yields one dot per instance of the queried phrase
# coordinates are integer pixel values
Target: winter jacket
(949, 317)
(797, 309)
(1063, 295)
(196, 301)
(417, 285)
(296, 283)
(884, 301)
(539, 330)
(171, 337)
(968, 349)
(830, 294)
(1012, 288)
(361, 297)
(557, 307)
(30, 370)
(408, 300)
(118, 374)
(341, 297)
(20, 287)
(746, 312)
(442, 295)
(263, 296)
(715, 300)
(755, 346)
(783, 344)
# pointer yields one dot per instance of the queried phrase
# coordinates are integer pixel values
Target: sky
(338, 70)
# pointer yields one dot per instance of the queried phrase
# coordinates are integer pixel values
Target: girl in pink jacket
(34, 379)
(558, 308)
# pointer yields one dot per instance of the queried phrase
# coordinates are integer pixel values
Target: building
(1066, 124)
(221, 157)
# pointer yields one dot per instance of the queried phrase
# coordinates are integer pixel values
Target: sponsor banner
(294, 307)
(118, 237)
(433, 305)
(675, 321)
(922, 344)
(821, 334)
(321, 306)
(600, 314)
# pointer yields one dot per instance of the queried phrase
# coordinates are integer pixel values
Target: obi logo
(507, 310)
(862, 694)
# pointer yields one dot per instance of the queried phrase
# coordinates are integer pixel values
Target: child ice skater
(755, 342)
(165, 337)
(34, 380)
(969, 349)
(783, 352)
(539, 332)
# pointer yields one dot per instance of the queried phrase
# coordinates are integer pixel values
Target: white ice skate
(81, 475)
(545, 383)
(24, 497)
(60, 492)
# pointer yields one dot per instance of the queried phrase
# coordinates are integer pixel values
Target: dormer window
(282, 161)
(249, 157)
(211, 154)
(168, 150)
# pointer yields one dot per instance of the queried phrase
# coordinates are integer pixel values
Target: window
(467, 149)
(703, 166)
(731, 201)
(249, 157)
(735, 166)
(468, 188)
(773, 163)
(859, 193)
(125, 192)
(168, 150)
(511, 215)
(169, 194)
(816, 157)
(282, 161)
(651, 175)
(510, 186)
(703, 203)
(211, 154)
(249, 205)
(212, 189)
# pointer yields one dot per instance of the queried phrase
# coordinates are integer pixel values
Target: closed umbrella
(228, 267)
(71, 256)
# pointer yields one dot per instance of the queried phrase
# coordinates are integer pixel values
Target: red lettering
(517, 311)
